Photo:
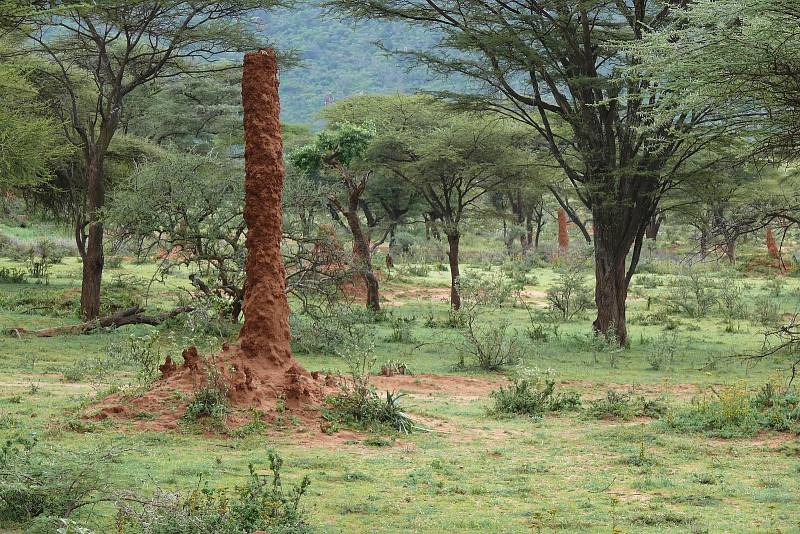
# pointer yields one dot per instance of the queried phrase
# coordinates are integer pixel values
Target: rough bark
(453, 239)
(93, 259)
(363, 258)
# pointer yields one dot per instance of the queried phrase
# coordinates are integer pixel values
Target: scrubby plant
(489, 347)
(401, 328)
(662, 351)
(210, 400)
(338, 328)
(619, 405)
(12, 275)
(693, 293)
(533, 396)
(492, 289)
(41, 485)
(735, 411)
(570, 296)
(262, 503)
(358, 404)
(765, 311)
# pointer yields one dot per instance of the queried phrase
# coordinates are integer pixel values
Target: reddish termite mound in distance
(261, 369)
(563, 232)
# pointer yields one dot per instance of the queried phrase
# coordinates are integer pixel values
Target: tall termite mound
(563, 233)
(260, 370)
(772, 246)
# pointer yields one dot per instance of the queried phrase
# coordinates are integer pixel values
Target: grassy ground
(471, 472)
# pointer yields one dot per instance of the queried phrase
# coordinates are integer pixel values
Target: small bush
(533, 397)
(693, 293)
(207, 402)
(113, 262)
(735, 411)
(39, 483)
(616, 405)
(211, 400)
(570, 296)
(261, 503)
(401, 329)
(357, 404)
(490, 347)
(12, 275)
(662, 352)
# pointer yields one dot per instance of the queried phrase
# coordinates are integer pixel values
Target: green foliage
(533, 396)
(491, 347)
(570, 296)
(340, 144)
(734, 411)
(261, 503)
(662, 351)
(401, 328)
(12, 275)
(357, 404)
(211, 400)
(617, 405)
(693, 293)
(40, 483)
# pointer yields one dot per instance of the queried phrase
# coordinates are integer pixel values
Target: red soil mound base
(252, 384)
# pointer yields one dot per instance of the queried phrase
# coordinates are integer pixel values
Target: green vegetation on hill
(341, 59)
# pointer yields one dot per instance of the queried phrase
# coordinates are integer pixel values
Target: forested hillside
(340, 59)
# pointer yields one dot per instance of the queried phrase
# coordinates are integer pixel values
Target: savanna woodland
(383, 266)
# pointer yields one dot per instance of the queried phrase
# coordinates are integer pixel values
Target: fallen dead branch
(134, 315)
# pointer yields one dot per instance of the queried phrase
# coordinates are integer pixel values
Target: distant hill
(341, 59)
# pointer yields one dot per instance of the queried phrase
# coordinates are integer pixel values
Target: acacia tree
(555, 65)
(450, 159)
(338, 150)
(30, 140)
(100, 53)
(742, 58)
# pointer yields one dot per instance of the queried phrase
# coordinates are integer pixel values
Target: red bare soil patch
(449, 385)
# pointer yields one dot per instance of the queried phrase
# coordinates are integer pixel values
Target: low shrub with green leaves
(734, 411)
(618, 405)
(261, 503)
(533, 396)
(42, 486)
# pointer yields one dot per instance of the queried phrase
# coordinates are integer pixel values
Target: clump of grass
(532, 396)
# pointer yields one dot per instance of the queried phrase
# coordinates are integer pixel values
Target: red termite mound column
(265, 333)
(563, 233)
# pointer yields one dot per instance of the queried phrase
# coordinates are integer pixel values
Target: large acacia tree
(99, 53)
(555, 65)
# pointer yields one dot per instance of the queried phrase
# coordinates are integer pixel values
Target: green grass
(475, 473)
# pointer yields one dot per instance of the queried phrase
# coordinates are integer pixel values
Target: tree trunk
(528, 231)
(653, 227)
(363, 257)
(453, 238)
(611, 290)
(93, 259)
